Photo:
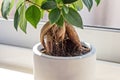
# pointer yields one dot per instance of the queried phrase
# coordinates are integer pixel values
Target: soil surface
(67, 49)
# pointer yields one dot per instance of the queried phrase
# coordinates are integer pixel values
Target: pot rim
(38, 46)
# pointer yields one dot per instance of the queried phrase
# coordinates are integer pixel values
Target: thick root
(54, 31)
(61, 41)
(60, 34)
(49, 43)
(73, 36)
(44, 31)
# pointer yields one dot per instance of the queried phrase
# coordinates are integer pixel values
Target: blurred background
(106, 14)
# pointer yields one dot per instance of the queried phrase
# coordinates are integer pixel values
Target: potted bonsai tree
(60, 55)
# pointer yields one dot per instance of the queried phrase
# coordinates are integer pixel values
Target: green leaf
(42, 13)
(54, 15)
(12, 4)
(5, 9)
(60, 22)
(73, 17)
(78, 5)
(66, 9)
(49, 5)
(98, 2)
(19, 3)
(88, 4)
(58, 1)
(16, 19)
(23, 21)
(38, 2)
(51, 0)
(72, 6)
(33, 15)
(68, 1)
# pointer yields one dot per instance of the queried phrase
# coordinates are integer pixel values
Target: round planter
(64, 68)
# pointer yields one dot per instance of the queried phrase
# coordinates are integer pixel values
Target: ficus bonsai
(61, 37)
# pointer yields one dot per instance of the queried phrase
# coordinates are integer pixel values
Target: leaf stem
(35, 4)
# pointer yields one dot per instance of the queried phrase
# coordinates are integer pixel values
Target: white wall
(107, 43)
(8, 35)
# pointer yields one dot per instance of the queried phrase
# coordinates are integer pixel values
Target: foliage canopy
(58, 11)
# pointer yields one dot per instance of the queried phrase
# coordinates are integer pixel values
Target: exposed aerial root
(61, 41)
(54, 31)
(60, 34)
(49, 42)
(72, 34)
(44, 31)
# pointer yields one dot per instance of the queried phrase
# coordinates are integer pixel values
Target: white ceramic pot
(64, 68)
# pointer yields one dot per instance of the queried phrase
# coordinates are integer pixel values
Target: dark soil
(67, 49)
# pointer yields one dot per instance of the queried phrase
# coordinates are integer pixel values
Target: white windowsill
(6, 74)
(105, 71)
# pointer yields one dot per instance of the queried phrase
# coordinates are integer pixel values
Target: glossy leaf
(49, 5)
(42, 13)
(73, 17)
(66, 9)
(60, 22)
(54, 15)
(19, 3)
(98, 2)
(38, 2)
(33, 15)
(51, 0)
(58, 1)
(5, 9)
(23, 21)
(88, 4)
(68, 1)
(16, 19)
(12, 4)
(78, 5)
